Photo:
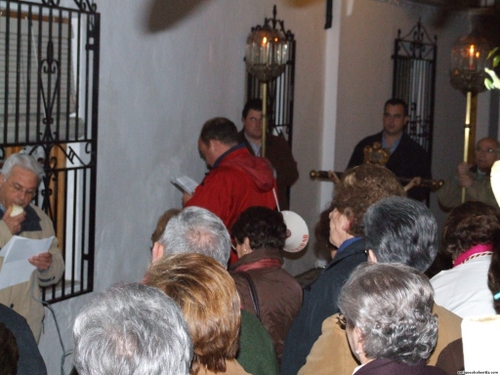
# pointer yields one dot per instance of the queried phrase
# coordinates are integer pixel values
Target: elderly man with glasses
(19, 180)
(474, 178)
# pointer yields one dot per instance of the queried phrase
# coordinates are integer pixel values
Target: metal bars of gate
(414, 80)
(49, 87)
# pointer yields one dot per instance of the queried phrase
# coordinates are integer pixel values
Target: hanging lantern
(266, 53)
(469, 57)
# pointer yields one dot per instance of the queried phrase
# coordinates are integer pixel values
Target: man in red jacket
(236, 180)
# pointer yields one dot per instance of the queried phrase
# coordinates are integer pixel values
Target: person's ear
(246, 242)
(158, 251)
(213, 144)
(346, 224)
(371, 256)
(359, 341)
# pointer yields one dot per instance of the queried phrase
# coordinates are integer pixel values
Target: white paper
(186, 184)
(480, 340)
(16, 269)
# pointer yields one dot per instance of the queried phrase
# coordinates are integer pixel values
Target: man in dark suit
(407, 158)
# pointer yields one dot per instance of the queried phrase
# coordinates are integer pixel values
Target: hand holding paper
(41, 261)
(21, 257)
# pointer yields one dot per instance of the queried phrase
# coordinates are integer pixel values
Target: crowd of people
(216, 299)
(372, 310)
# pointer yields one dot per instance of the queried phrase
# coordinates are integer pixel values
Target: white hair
(132, 329)
(23, 161)
(197, 230)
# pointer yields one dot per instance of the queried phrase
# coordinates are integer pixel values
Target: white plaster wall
(156, 91)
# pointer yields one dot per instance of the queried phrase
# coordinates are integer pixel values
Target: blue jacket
(320, 301)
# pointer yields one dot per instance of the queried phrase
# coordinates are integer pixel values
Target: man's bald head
(486, 153)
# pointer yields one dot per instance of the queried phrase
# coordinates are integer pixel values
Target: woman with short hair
(387, 312)
(469, 238)
(265, 289)
(208, 298)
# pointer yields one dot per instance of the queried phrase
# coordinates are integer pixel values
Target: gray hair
(197, 230)
(391, 304)
(132, 329)
(23, 161)
(401, 230)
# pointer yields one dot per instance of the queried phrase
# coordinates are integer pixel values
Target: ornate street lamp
(467, 74)
(265, 57)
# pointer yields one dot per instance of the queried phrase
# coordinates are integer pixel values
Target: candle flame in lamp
(264, 41)
(471, 57)
(495, 180)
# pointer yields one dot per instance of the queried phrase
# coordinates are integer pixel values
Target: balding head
(195, 230)
(486, 153)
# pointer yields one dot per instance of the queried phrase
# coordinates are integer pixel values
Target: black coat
(30, 360)
(319, 302)
(408, 160)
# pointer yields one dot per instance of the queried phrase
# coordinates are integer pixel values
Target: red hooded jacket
(238, 181)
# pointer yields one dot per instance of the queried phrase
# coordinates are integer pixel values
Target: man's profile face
(206, 152)
(19, 188)
(253, 125)
(486, 154)
(394, 119)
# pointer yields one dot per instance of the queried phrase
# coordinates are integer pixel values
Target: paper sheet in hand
(16, 268)
(186, 184)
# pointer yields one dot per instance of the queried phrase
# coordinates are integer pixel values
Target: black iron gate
(414, 81)
(49, 69)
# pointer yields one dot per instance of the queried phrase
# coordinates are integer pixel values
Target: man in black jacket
(407, 158)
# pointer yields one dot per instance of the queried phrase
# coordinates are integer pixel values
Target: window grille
(49, 69)
(414, 80)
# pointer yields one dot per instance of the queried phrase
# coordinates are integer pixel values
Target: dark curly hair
(359, 188)
(467, 225)
(263, 227)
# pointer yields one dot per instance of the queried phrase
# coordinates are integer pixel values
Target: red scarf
(263, 263)
(478, 249)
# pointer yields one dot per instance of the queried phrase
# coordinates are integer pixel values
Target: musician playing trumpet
(474, 178)
(406, 157)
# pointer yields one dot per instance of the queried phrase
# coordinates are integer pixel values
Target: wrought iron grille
(279, 90)
(414, 80)
(49, 68)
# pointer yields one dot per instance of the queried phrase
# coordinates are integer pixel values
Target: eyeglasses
(19, 189)
(341, 321)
